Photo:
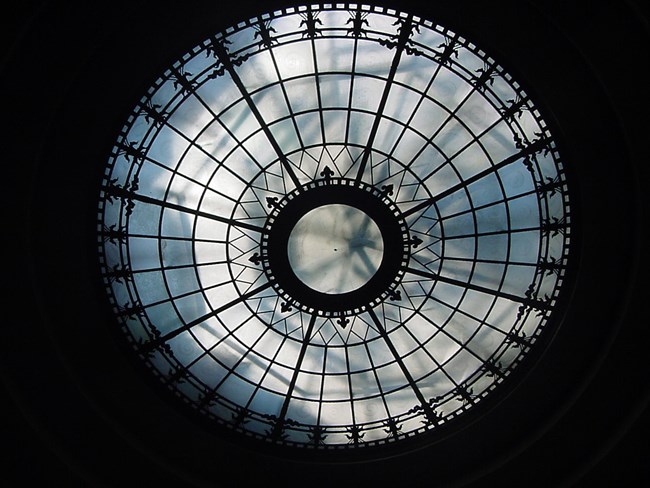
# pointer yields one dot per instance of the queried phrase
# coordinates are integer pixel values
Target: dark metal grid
(330, 185)
(157, 347)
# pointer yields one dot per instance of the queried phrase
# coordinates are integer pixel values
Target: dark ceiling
(80, 413)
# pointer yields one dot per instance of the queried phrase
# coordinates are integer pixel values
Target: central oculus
(335, 246)
(335, 249)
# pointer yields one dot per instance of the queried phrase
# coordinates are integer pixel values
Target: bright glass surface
(266, 106)
(335, 249)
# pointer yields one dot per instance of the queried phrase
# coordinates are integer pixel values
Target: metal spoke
(149, 346)
(119, 192)
(532, 148)
(483, 289)
(399, 48)
(296, 368)
(398, 359)
(224, 57)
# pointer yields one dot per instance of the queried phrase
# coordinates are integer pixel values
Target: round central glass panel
(335, 249)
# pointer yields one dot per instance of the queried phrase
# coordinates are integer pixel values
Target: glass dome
(334, 227)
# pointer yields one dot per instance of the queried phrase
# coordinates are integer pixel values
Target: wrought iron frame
(125, 190)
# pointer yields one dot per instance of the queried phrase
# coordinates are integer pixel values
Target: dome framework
(352, 105)
(75, 73)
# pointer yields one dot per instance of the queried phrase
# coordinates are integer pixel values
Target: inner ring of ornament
(335, 247)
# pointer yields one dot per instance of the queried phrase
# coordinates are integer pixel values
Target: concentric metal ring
(372, 201)
(337, 104)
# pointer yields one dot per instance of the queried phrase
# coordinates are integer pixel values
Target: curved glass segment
(392, 136)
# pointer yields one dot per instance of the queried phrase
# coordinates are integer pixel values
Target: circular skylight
(335, 249)
(334, 226)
